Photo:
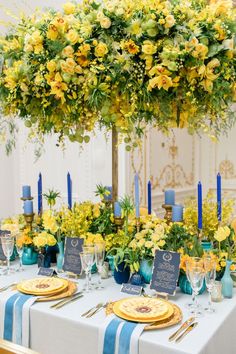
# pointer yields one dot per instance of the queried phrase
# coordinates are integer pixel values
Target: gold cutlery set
(184, 329)
(94, 310)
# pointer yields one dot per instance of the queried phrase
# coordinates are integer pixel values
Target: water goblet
(87, 259)
(19, 248)
(194, 261)
(210, 275)
(99, 258)
(7, 247)
(196, 277)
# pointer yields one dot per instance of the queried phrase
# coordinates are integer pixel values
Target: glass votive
(216, 293)
(105, 270)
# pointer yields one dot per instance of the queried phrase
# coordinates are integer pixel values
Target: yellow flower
(52, 32)
(69, 8)
(58, 86)
(131, 47)
(149, 48)
(200, 51)
(221, 34)
(96, 210)
(49, 221)
(149, 244)
(72, 36)
(222, 233)
(161, 243)
(51, 66)
(101, 49)
(162, 81)
(136, 28)
(68, 66)
(84, 49)
(68, 52)
(105, 22)
(51, 241)
(169, 21)
(141, 243)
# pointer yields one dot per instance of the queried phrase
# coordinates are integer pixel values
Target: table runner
(117, 336)
(15, 317)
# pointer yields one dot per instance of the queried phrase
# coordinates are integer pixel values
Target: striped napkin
(15, 317)
(117, 336)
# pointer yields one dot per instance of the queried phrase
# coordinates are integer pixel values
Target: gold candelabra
(29, 218)
(119, 222)
(168, 214)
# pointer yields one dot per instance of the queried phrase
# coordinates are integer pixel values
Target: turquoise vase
(206, 245)
(60, 255)
(185, 285)
(111, 263)
(146, 270)
(227, 282)
(29, 256)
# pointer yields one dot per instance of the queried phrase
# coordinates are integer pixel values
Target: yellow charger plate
(119, 313)
(30, 286)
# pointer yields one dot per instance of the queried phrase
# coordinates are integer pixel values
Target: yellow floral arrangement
(14, 224)
(209, 215)
(117, 240)
(151, 237)
(44, 239)
(91, 239)
(25, 239)
(122, 64)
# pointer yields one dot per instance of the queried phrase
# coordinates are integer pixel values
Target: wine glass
(210, 274)
(194, 261)
(196, 277)
(7, 247)
(19, 248)
(87, 260)
(99, 258)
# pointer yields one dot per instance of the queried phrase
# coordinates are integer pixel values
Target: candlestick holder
(119, 222)
(168, 214)
(29, 218)
(138, 224)
(24, 199)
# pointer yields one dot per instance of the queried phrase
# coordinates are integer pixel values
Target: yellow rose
(141, 243)
(68, 66)
(51, 241)
(169, 21)
(148, 244)
(222, 233)
(161, 243)
(200, 51)
(52, 33)
(51, 66)
(105, 22)
(101, 49)
(149, 48)
(68, 52)
(72, 36)
(69, 8)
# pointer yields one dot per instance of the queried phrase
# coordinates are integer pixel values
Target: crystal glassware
(87, 260)
(194, 261)
(19, 248)
(7, 247)
(210, 275)
(196, 277)
(99, 259)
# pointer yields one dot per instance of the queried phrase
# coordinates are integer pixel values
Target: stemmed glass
(87, 260)
(19, 248)
(196, 277)
(99, 259)
(210, 274)
(7, 247)
(194, 261)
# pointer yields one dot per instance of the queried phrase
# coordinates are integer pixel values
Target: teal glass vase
(185, 285)
(29, 256)
(145, 270)
(227, 282)
(60, 255)
(111, 263)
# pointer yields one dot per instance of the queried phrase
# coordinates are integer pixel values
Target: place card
(131, 289)
(72, 261)
(165, 272)
(48, 272)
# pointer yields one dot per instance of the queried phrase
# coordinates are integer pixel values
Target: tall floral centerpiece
(121, 64)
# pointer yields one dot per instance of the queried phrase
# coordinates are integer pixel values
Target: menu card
(165, 272)
(72, 261)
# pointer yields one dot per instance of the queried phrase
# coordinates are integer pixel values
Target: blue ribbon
(110, 336)
(8, 318)
(18, 316)
(125, 336)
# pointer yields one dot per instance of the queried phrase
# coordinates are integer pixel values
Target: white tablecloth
(63, 331)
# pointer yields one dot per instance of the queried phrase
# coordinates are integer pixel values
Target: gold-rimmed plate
(43, 286)
(144, 306)
(72, 288)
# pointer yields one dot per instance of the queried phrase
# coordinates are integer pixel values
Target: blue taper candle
(219, 212)
(40, 194)
(117, 210)
(69, 190)
(199, 189)
(136, 195)
(149, 198)
(28, 207)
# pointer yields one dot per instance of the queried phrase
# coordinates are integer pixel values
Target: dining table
(64, 331)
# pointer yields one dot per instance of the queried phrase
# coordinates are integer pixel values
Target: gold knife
(68, 302)
(182, 327)
(188, 330)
